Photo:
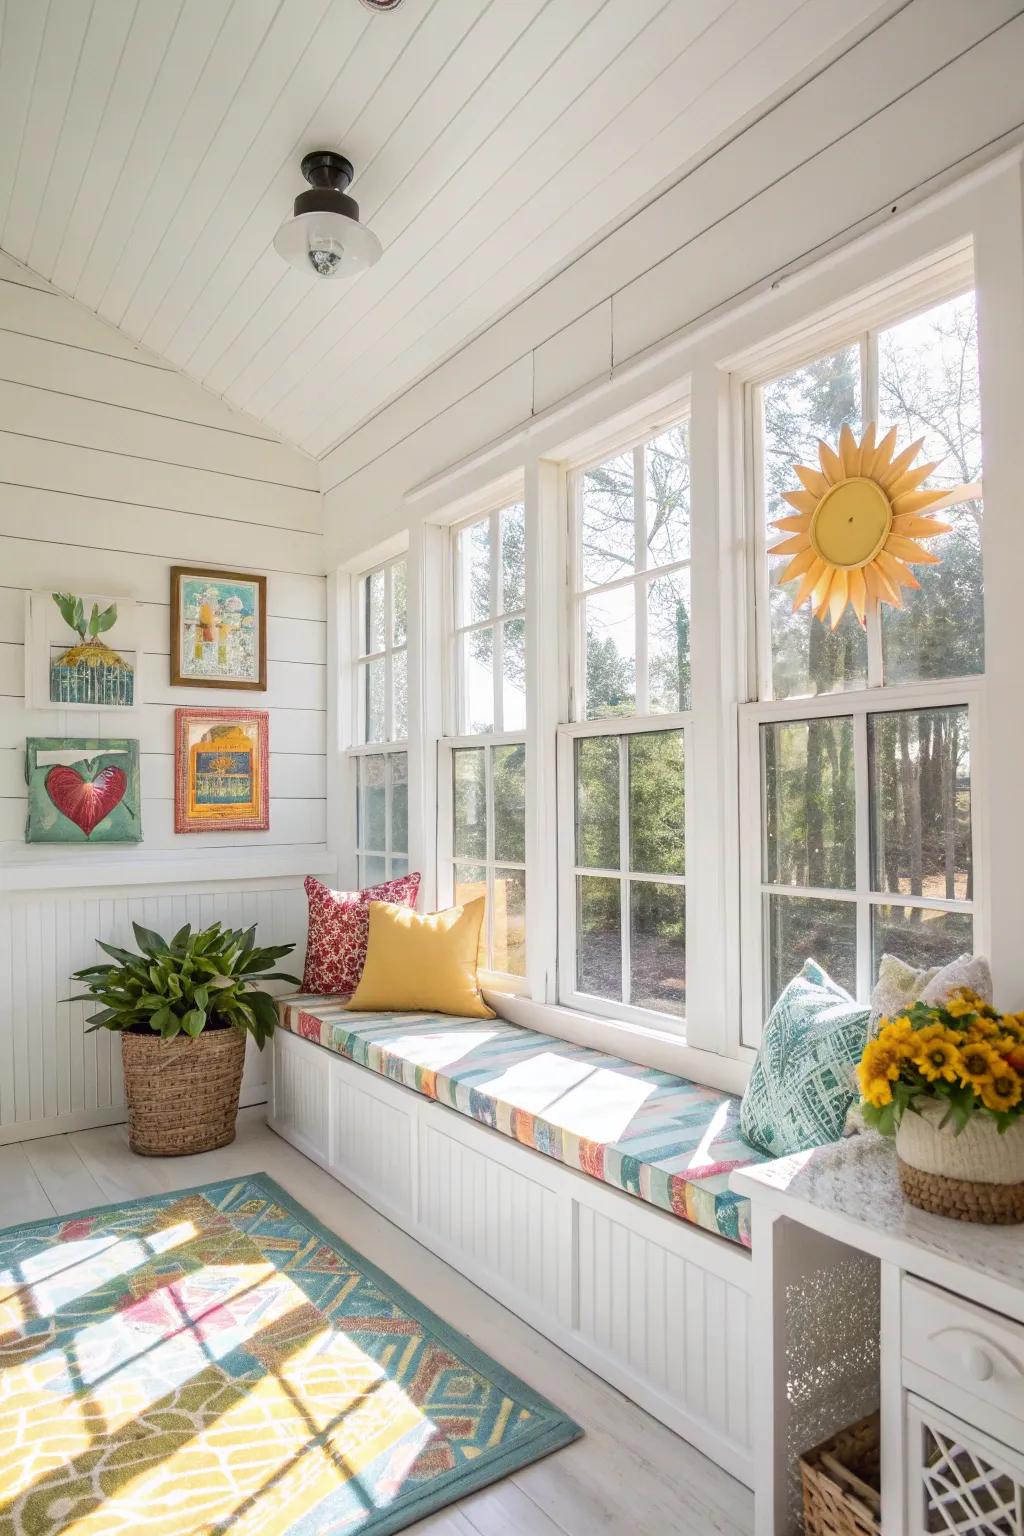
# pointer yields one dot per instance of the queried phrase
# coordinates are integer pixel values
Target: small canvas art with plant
(90, 671)
(961, 1053)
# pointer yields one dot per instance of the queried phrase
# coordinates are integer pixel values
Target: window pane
(598, 936)
(607, 522)
(921, 803)
(477, 682)
(372, 804)
(470, 803)
(811, 402)
(372, 869)
(668, 643)
(799, 929)
(920, 937)
(597, 802)
(473, 555)
(513, 558)
(399, 867)
(508, 941)
(809, 818)
(667, 466)
(371, 683)
(928, 387)
(508, 767)
(470, 883)
(611, 653)
(398, 603)
(657, 928)
(373, 618)
(657, 831)
(398, 764)
(399, 696)
(513, 688)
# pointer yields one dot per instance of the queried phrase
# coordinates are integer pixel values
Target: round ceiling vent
(382, 5)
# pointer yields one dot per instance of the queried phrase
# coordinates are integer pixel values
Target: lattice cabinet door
(959, 1481)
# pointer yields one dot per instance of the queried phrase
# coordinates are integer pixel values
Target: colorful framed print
(222, 770)
(83, 650)
(218, 629)
(82, 791)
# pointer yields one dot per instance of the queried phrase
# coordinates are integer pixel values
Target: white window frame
(901, 299)
(361, 749)
(455, 740)
(362, 660)
(568, 869)
(643, 572)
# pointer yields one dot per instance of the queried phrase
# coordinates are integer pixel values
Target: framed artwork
(82, 791)
(222, 770)
(218, 629)
(83, 650)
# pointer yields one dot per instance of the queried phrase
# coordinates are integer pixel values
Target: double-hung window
(380, 755)
(482, 775)
(856, 760)
(623, 758)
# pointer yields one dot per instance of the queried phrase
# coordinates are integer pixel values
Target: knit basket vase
(977, 1175)
(182, 1093)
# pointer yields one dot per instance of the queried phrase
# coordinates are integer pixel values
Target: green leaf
(162, 1021)
(201, 997)
(93, 618)
(79, 623)
(104, 1016)
(66, 603)
(194, 1021)
(105, 620)
(149, 942)
(181, 938)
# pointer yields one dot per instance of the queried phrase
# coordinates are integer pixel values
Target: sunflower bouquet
(961, 1053)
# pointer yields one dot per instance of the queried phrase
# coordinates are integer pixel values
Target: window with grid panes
(381, 761)
(623, 763)
(866, 824)
(487, 755)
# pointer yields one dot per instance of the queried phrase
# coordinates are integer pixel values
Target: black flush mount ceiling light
(324, 235)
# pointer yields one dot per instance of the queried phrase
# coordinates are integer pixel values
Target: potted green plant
(183, 1008)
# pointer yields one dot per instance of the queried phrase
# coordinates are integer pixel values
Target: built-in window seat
(519, 1158)
(671, 1142)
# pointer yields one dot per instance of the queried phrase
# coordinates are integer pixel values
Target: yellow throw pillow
(422, 962)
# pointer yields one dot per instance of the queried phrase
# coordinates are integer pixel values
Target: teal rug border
(553, 1431)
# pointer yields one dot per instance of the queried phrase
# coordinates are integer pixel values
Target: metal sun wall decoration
(860, 518)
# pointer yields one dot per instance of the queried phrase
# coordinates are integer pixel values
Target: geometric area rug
(215, 1360)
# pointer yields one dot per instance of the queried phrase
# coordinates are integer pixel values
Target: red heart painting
(86, 802)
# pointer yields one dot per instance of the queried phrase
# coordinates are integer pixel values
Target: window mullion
(624, 860)
(389, 719)
(387, 815)
(869, 412)
(640, 584)
(489, 851)
(862, 834)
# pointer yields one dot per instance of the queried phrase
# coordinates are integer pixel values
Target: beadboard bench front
(653, 1304)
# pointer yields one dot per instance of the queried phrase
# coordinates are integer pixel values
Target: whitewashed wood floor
(627, 1476)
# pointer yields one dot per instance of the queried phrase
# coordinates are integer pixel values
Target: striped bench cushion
(668, 1141)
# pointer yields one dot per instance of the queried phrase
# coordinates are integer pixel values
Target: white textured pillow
(899, 984)
(970, 972)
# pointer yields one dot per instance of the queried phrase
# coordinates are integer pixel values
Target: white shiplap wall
(112, 467)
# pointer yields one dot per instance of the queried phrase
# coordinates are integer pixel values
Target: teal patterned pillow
(802, 1084)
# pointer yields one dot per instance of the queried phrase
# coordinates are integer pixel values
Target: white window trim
(361, 660)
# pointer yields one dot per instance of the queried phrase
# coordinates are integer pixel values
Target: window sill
(647, 1045)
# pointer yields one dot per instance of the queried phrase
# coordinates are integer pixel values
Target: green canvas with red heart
(82, 791)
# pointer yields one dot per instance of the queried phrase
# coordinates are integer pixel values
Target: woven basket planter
(977, 1175)
(182, 1094)
(841, 1482)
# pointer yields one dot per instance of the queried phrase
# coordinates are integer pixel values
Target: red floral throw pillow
(338, 925)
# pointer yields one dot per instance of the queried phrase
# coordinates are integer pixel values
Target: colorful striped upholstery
(666, 1140)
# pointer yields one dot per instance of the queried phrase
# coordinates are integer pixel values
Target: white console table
(842, 1262)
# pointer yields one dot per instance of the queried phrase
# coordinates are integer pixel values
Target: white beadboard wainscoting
(653, 1304)
(113, 468)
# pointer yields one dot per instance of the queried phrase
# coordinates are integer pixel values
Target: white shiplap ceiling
(150, 148)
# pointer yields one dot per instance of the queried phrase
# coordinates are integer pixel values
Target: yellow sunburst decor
(858, 525)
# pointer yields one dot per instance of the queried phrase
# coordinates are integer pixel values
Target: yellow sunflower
(979, 1064)
(937, 1058)
(1004, 1091)
(857, 526)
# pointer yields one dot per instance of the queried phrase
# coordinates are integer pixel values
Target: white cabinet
(959, 1482)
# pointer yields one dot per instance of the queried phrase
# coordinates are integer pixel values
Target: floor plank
(627, 1476)
(22, 1197)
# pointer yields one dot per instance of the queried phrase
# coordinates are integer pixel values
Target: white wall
(917, 101)
(113, 467)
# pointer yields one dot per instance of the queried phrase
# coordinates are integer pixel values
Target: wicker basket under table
(841, 1483)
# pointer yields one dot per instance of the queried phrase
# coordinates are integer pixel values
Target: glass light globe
(328, 244)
